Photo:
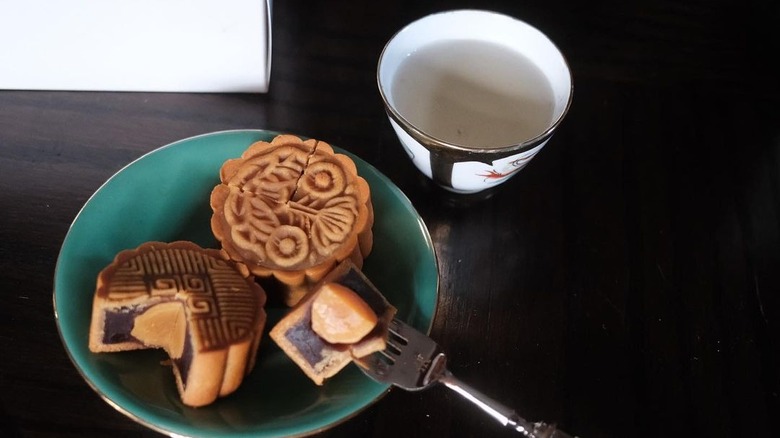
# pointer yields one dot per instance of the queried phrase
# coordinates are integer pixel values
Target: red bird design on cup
(494, 175)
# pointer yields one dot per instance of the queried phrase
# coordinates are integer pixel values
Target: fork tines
(395, 342)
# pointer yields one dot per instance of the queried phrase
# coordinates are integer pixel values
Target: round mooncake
(292, 210)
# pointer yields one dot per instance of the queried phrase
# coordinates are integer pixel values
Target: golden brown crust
(292, 209)
(204, 310)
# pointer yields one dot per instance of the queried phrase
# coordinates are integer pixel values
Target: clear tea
(473, 93)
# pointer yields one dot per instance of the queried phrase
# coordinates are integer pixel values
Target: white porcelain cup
(460, 166)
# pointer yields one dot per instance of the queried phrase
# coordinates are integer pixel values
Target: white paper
(135, 45)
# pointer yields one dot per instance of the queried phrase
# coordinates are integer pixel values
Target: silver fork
(413, 361)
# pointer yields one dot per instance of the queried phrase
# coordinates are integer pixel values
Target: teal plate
(164, 196)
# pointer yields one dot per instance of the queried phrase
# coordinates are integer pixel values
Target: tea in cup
(473, 95)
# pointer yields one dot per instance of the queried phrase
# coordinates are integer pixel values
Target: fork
(413, 361)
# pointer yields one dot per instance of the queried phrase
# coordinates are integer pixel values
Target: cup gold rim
(432, 142)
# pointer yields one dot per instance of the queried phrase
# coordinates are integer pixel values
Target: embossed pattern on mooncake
(205, 311)
(292, 209)
(218, 301)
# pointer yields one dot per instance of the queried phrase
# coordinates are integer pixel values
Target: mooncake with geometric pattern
(205, 311)
(291, 210)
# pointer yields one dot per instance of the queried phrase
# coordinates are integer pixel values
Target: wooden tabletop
(626, 283)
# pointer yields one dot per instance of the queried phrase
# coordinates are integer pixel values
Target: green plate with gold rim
(164, 196)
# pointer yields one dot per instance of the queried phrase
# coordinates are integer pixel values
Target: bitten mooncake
(205, 311)
(292, 210)
(321, 352)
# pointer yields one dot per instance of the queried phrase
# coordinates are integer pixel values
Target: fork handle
(506, 416)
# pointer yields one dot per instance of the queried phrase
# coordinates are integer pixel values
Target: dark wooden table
(625, 284)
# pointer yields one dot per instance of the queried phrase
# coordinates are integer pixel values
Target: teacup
(473, 95)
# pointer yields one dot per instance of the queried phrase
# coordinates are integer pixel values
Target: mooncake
(322, 352)
(291, 210)
(205, 311)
